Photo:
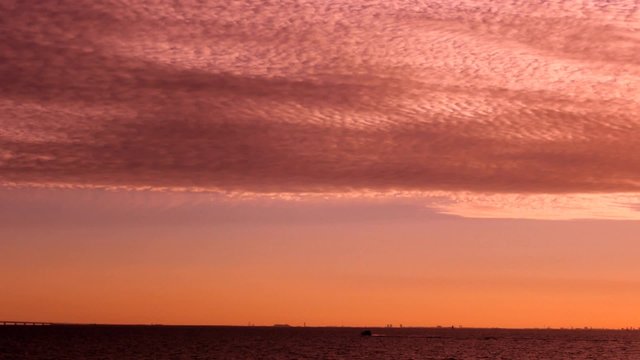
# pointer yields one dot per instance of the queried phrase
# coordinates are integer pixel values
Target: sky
(341, 162)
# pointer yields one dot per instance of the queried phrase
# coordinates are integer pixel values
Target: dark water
(168, 342)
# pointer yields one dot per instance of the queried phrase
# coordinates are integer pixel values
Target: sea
(214, 342)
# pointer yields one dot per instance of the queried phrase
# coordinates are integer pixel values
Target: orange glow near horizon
(340, 264)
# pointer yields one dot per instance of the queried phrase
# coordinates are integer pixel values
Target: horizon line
(7, 323)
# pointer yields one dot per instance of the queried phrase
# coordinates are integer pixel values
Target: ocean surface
(192, 342)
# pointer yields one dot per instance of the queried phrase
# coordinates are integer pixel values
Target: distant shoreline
(280, 326)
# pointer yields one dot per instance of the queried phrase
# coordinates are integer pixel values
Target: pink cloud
(310, 96)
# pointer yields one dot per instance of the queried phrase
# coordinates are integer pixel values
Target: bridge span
(25, 323)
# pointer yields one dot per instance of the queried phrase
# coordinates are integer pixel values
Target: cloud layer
(322, 96)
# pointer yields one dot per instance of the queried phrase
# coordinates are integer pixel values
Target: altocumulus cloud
(488, 99)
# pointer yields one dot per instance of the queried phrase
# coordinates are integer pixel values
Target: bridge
(25, 323)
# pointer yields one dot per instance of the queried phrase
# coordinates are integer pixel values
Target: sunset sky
(334, 162)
